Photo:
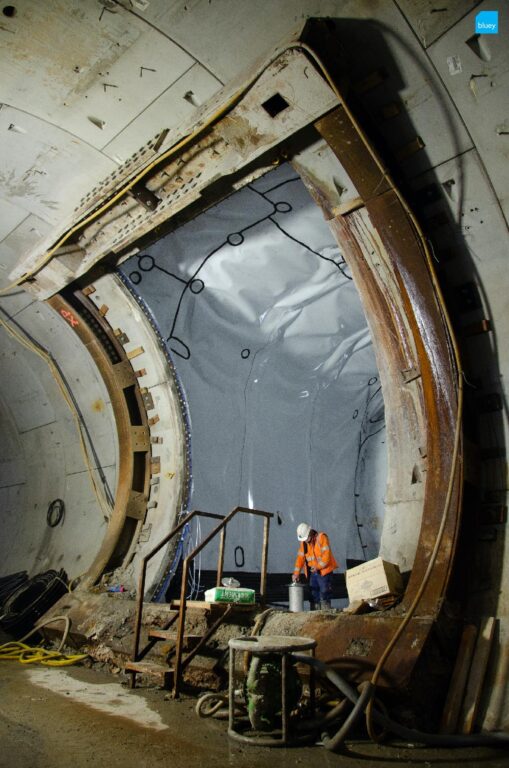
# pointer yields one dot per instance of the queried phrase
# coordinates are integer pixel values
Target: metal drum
(296, 597)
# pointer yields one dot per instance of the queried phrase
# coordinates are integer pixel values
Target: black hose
(337, 740)
(32, 599)
(9, 584)
(409, 734)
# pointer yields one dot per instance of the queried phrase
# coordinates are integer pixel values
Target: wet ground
(73, 717)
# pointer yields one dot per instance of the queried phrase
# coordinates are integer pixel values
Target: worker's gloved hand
(295, 576)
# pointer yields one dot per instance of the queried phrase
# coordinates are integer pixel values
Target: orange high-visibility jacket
(316, 556)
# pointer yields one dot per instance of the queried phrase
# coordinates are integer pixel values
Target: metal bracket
(145, 197)
(410, 374)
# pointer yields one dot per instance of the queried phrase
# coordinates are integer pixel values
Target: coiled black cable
(33, 597)
(9, 584)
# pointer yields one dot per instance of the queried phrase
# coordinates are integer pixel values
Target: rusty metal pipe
(265, 552)
(139, 612)
(180, 629)
(223, 524)
(220, 559)
(143, 573)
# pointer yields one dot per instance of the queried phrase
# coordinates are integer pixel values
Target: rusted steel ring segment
(121, 382)
(384, 249)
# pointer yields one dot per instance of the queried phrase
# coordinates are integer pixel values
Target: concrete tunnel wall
(42, 456)
(475, 198)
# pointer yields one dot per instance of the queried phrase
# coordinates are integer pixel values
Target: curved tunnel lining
(138, 478)
(434, 396)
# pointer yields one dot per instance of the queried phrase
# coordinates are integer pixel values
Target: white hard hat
(303, 531)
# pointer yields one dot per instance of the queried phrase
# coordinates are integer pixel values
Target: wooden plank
(203, 605)
(458, 682)
(200, 605)
(477, 674)
(159, 673)
(135, 353)
(169, 634)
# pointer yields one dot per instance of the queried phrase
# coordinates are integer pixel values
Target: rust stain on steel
(417, 325)
(439, 386)
(353, 644)
(340, 644)
(346, 143)
(393, 352)
(98, 405)
(389, 266)
(242, 134)
(434, 426)
(324, 198)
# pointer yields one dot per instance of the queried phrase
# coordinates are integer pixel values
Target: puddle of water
(109, 698)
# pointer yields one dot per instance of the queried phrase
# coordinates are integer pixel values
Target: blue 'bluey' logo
(486, 23)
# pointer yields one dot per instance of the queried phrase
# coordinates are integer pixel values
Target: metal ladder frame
(180, 663)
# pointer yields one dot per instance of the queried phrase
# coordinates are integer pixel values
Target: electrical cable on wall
(179, 145)
(23, 338)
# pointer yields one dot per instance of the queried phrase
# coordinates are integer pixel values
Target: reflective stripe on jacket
(315, 556)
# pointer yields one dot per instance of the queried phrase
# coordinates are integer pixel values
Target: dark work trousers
(321, 587)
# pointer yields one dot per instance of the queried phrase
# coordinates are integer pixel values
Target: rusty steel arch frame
(421, 383)
(413, 340)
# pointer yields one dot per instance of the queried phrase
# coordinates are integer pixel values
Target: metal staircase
(188, 646)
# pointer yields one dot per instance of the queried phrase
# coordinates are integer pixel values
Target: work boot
(313, 606)
(325, 605)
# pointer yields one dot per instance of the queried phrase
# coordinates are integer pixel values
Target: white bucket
(296, 597)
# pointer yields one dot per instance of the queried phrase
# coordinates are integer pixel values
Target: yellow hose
(26, 654)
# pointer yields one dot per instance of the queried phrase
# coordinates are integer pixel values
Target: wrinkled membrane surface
(269, 339)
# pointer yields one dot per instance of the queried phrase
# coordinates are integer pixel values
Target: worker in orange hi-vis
(316, 558)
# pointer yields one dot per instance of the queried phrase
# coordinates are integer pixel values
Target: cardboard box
(373, 579)
(230, 595)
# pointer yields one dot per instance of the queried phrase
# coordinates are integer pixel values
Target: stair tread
(148, 667)
(202, 605)
(168, 634)
(196, 605)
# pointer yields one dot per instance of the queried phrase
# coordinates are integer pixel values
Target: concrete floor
(74, 716)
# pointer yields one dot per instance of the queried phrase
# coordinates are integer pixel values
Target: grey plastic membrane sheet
(270, 341)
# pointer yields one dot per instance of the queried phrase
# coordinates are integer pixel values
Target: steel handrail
(143, 573)
(221, 528)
